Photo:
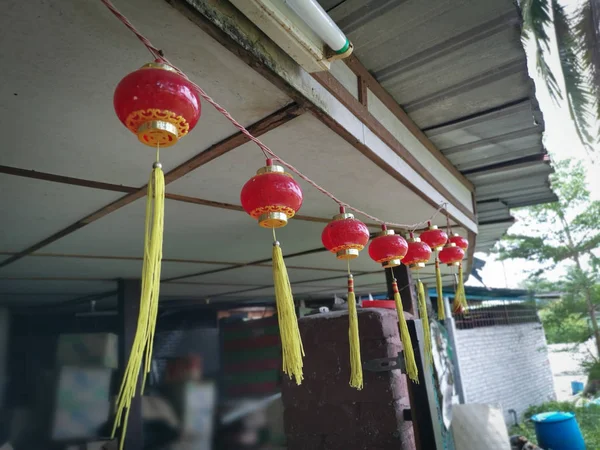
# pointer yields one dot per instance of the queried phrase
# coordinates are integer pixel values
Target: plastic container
(387, 304)
(558, 431)
(576, 387)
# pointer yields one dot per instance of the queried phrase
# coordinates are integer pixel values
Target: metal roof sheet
(459, 70)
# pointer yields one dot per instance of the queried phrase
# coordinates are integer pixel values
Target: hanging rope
(158, 54)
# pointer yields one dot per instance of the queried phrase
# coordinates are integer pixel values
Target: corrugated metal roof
(459, 70)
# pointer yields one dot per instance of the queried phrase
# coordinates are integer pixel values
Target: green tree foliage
(565, 232)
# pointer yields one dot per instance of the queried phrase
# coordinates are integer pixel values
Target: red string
(158, 54)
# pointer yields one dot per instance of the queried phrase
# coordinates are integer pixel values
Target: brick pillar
(324, 412)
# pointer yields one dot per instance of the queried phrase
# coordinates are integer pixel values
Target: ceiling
(459, 70)
(57, 107)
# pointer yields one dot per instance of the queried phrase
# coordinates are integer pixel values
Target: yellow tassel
(409, 354)
(460, 298)
(144, 335)
(424, 321)
(291, 342)
(356, 373)
(440, 293)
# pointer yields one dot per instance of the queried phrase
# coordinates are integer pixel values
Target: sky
(561, 141)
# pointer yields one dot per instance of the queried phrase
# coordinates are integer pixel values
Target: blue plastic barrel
(576, 387)
(558, 431)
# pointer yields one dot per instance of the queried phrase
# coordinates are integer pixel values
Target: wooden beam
(363, 94)
(268, 69)
(338, 90)
(365, 150)
(379, 91)
(139, 258)
(259, 128)
(44, 176)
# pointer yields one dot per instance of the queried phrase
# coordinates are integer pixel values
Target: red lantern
(459, 241)
(434, 237)
(271, 196)
(345, 236)
(158, 104)
(418, 253)
(451, 254)
(388, 248)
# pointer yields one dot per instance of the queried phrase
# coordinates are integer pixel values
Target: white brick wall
(505, 365)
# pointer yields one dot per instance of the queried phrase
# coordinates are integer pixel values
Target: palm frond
(579, 99)
(536, 20)
(587, 32)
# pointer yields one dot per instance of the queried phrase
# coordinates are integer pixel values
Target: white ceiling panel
(67, 58)
(45, 266)
(261, 275)
(326, 260)
(327, 159)
(191, 232)
(32, 210)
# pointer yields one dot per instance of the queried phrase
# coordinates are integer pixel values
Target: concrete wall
(4, 330)
(505, 365)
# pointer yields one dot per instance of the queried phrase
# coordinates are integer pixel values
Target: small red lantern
(271, 196)
(434, 237)
(158, 104)
(451, 254)
(418, 253)
(388, 248)
(459, 241)
(345, 236)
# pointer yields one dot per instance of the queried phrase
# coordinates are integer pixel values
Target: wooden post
(427, 427)
(405, 286)
(423, 410)
(129, 292)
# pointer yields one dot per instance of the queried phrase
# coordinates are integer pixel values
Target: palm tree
(577, 38)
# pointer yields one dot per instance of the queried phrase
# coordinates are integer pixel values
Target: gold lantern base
(348, 253)
(417, 265)
(158, 133)
(273, 219)
(391, 263)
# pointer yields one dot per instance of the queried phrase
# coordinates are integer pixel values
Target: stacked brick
(324, 412)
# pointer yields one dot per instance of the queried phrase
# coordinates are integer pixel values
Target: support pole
(405, 286)
(129, 292)
(426, 424)
(423, 409)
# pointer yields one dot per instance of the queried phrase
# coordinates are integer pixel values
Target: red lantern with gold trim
(345, 236)
(158, 104)
(388, 248)
(460, 241)
(434, 237)
(272, 196)
(418, 253)
(451, 254)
